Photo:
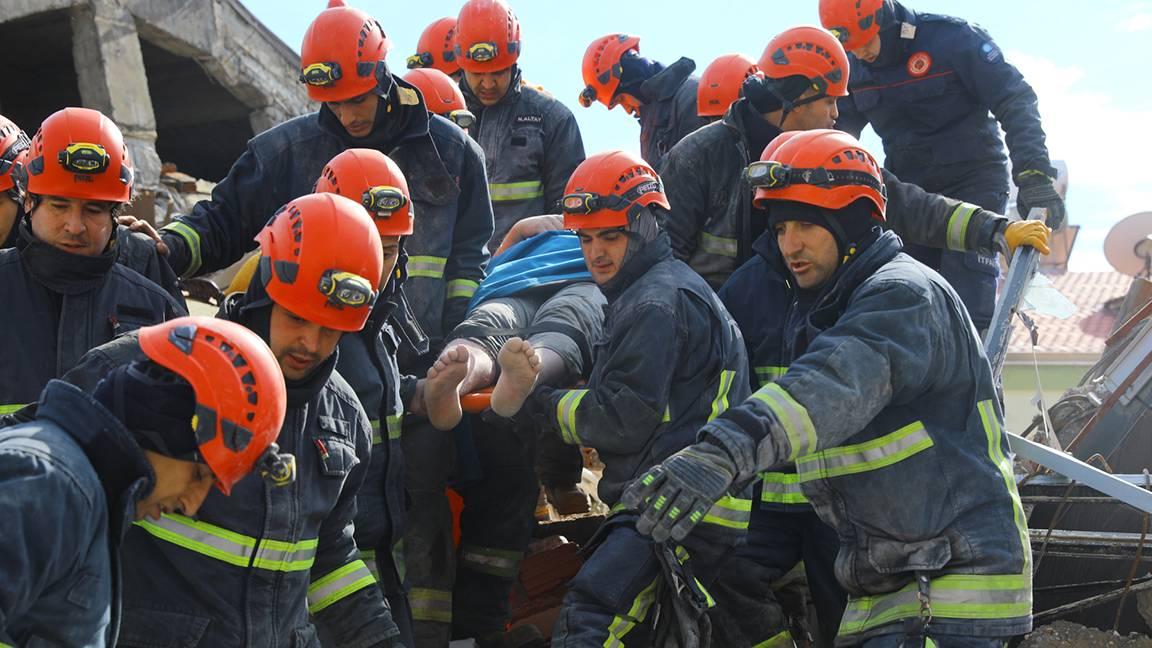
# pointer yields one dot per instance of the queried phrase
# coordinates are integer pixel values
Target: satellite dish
(1128, 246)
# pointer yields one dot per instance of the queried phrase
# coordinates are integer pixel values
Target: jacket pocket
(143, 628)
(336, 455)
(894, 557)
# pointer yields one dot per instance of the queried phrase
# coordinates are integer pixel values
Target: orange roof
(1084, 332)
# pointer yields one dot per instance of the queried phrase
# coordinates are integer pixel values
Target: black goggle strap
(774, 175)
(586, 203)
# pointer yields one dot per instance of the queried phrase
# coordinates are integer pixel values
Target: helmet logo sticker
(919, 64)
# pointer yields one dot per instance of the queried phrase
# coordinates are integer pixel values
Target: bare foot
(442, 389)
(519, 367)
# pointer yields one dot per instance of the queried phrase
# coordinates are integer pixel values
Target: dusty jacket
(531, 146)
(669, 110)
(892, 389)
(445, 173)
(712, 222)
(70, 481)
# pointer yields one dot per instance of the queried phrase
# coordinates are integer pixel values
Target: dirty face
(73, 225)
(358, 114)
(821, 113)
(181, 487)
(810, 252)
(489, 87)
(604, 250)
(299, 345)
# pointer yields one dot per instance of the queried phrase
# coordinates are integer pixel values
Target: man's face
(604, 251)
(821, 113)
(391, 248)
(489, 87)
(8, 212)
(358, 114)
(868, 51)
(299, 345)
(74, 225)
(810, 252)
(181, 487)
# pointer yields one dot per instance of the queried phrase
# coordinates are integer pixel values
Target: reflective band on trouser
(782, 640)
(731, 512)
(337, 585)
(462, 288)
(781, 488)
(231, 547)
(488, 560)
(861, 457)
(622, 624)
(431, 605)
(8, 409)
(429, 267)
(769, 374)
(958, 225)
(721, 401)
(192, 239)
(566, 414)
(713, 244)
(394, 423)
(792, 417)
(515, 190)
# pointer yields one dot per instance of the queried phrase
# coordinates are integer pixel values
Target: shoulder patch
(408, 96)
(530, 119)
(989, 51)
(919, 64)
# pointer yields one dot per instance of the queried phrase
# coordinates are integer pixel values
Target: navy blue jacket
(669, 110)
(69, 484)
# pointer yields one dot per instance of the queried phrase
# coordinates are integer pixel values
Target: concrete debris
(1063, 634)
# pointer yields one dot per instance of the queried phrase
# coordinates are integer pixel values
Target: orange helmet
(436, 48)
(373, 179)
(80, 153)
(720, 83)
(602, 70)
(343, 54)
(13, 153)
(487, 36)
(811, 52)
(240, 395)
(852, 22)
(442, 95)
(826, 168)
(607, 188)
(321, 259)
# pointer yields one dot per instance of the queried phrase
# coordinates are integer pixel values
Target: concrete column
(110, 74)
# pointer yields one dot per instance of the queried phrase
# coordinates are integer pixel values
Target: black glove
(1036, 190)
(674, 496)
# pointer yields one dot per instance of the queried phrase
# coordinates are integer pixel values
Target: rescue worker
(927, 83)
(720, 84)
(436, 49)
(670, 359)
(442, 95)
(77, 475)
(362, 106)
(13, 156)
(260, 568)
(63, 280)
(531, 141)
(713, 221)
(662, 98)
(888, 386)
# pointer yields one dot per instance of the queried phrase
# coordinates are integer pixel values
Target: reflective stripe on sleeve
(192, 240)
(720, 403)
(429, 267)
(431, 605)
(231, 547)
(731, 512)
(781, 488)
(566, 415)
(463, 288)
(505, 191)
(621, 625)
(769, 374)
(334, 586)
(719, 245)
(958, 225)
(792, 417)
(8, 409)
(862, 457)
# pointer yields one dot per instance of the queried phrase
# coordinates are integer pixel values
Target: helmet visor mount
(323, 74)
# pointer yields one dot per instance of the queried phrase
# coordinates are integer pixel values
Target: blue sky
(1086, 62)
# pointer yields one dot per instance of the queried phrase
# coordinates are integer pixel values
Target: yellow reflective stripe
(682, 557)
(861, 457)
(720, 403)
(8, 409)
(502, 191)
(958, 225)
(723, 246)
(231, 547)
(792, 417)
(667, 415)
(337, 585)
(782, 640)
(768, 374)
(462, 288)
(566, 415)
(781, 488)
(488, 560)
(394, 423)
(729, 511)
(427, 266)
(192, 239)
(431, 605)
(622, 625)
(995, 434)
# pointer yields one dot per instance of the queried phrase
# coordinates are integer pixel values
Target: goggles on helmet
(275, 467)
(587, 96)
(8, 157)
(382, 200)
(321, 74)
(83, 157)
(768, 174)
(583, 203)
(462, 118)
(346, 289)
(421, 60)
(483, 52)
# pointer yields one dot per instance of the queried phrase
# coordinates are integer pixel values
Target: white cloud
(1137, 22)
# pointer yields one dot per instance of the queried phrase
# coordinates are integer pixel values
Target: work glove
(673, 497)
(1036, 190)
(1032, 233)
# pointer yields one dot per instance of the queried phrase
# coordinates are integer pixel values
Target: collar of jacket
(652, 253)
(664, 84)
(834, 297)
(755, 131)
(63, 272)
(400, 115)
(477, 108)
(119, 462)
(894, 49)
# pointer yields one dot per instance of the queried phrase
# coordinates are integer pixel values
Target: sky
(1083, 60)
